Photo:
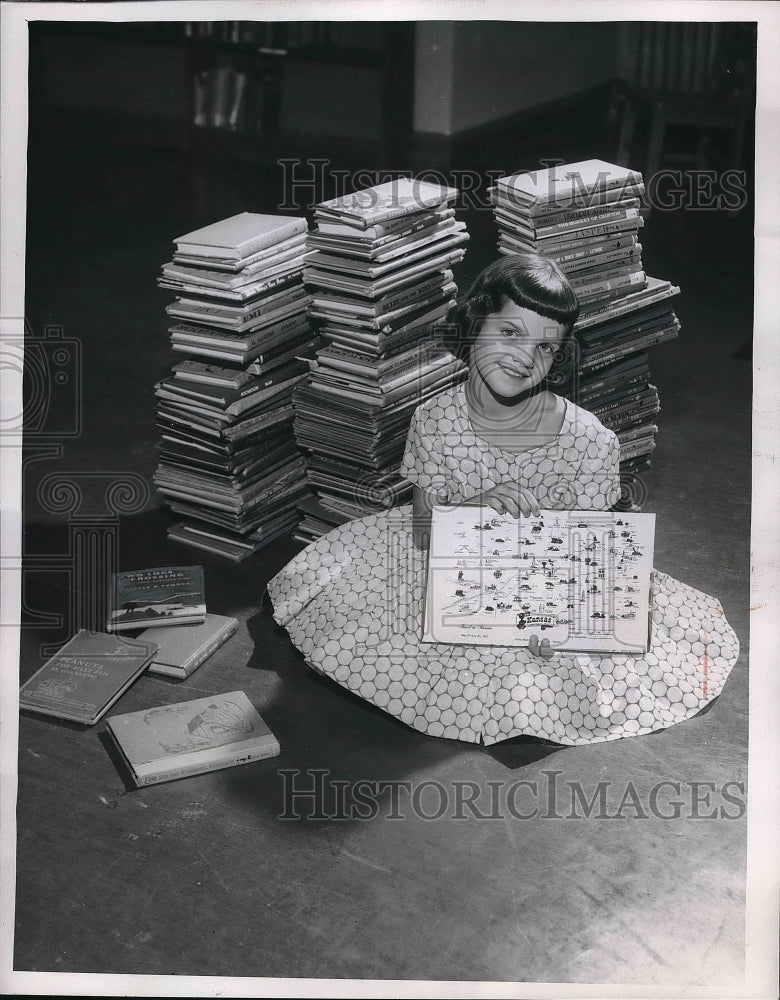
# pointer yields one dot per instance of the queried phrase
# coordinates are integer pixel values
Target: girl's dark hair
(530, 281)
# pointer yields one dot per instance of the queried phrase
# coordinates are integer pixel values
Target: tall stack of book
(586, 216)
(228, 461)
(380, 276)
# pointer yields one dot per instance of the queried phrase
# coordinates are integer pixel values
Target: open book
(578, 578)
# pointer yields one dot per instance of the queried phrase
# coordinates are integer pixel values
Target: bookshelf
(254, 88)
(245, 90)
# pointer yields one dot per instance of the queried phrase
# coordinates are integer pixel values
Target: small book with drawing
(84, 678)
(165, 595)
(192, 737)
(581, 579)
(181, 650)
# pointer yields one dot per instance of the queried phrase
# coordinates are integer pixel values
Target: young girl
(352, 601)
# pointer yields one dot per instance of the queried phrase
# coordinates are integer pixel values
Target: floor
(202, 876)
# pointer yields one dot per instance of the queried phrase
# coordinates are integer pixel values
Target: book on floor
(192, 737)
(84, 678)
(181, 650)
(163, 595)
(581, 579)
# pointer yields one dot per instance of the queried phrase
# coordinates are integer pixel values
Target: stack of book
(380, 276)
(587, 216)
(228, 460)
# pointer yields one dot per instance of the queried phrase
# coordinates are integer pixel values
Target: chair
(683, 87)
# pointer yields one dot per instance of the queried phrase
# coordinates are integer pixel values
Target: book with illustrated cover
(192, 737)
(581, 579)
(181, 650)
(84, 678)
(165, 595)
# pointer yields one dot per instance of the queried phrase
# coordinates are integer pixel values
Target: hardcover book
(192, 737)
(240, 235)
(568, 183)
(383, 202)
(84, 678)
(181, 650)
(165, 595)
(581, 579)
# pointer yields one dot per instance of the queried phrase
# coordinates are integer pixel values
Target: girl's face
(514, 349)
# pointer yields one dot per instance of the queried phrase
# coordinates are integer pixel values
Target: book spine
(204, 654)
(590, 232)
(379, 280)
(597, 288)
(260, 242)
(225, 397)
(622, 308)
(630, 259)
(580, 193)
(584, 220)
(394, 228)
(235, 409)
(234, 298)
(364, 246)
(426, 240)
(627, 403)
(244, 757)
(271, 359)
(253, 424)
(632, 433)
(636, 383)
(631, 347)
(398, 212)
(406, 298)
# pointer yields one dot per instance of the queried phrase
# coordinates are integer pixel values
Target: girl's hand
(509, 498)
(543, 648)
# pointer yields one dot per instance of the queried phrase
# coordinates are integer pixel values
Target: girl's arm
(422, 502)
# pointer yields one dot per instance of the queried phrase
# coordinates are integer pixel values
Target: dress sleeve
(421, 463)
(598, 481)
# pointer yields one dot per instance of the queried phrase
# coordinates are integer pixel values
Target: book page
(580, 579)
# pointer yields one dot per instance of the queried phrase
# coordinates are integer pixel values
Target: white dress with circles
(352, 602)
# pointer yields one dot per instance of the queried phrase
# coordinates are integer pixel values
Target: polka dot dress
(352, 604)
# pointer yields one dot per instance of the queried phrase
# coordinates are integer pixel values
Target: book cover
(84, 678)
(181, 650)
(165, 595)
(579, 578)
(235, 267)
(192, 737)
(240, 235)
(382, 202)
(382, 231)
(568, 182)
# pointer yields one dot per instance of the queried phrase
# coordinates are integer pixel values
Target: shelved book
(227, 459)
(582, 579)
(86, 676)
(162, 596)
(192, 737)
(181, 650)
(380, 275)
